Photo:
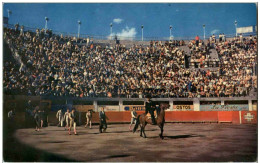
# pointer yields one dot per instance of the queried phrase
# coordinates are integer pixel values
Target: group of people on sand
(38, 117)
(71, 119)
(33, 114)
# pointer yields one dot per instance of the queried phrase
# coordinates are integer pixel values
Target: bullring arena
(182, 143)
(188, 135)
(203, 90)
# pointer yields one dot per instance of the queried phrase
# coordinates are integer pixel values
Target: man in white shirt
(89, 117)
(11, 114)
(133, 118)
(66, 117)
(73, 120)
(59, 116)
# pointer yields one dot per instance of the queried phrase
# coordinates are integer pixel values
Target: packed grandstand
(46, 64)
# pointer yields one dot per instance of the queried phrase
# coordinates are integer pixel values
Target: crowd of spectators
(200, 54)
(53, 65)
(238, 60)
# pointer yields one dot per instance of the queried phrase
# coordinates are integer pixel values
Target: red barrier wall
(190, 116)
(115, 116)
(225, 116)
(235, 117)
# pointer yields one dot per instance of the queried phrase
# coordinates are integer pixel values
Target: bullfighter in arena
(89, 118)
(41, 116)
(103, 122)
(66, 118)
(73, 120)
(59, 116)
(37, 118)
(133, 119)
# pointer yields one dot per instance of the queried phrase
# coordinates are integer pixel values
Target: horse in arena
(143, 120)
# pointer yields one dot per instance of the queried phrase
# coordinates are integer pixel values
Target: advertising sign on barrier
(108, 108)
(249, 117)
(58, 107)
(83, 108)
(135, 107)
(183, 107)
(223, 107)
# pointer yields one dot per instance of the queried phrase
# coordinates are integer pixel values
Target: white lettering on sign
(108, 108)
(223, 107)
(245, 29)
(249, 117)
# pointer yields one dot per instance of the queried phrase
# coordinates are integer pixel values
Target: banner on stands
(223, 107)
(245, 29)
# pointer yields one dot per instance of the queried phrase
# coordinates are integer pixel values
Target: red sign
(249, 117)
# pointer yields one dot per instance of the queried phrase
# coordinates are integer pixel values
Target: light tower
(46, 23)
(79, 23)
(111, 26)
(9, 12)
(204, 30)
(236, 27)
(142, 27)
(170, 32)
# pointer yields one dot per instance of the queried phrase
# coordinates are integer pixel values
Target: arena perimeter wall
(118, 115)
(235, 117)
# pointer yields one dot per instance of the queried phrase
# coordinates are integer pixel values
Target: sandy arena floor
(183, 142)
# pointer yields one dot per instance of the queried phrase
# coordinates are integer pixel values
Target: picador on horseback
(142, 119)
(150, 108)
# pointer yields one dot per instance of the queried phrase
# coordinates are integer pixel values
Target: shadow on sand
(117, 156)
(114, 132)
(177, 136)
(15, 151)
(182, 136)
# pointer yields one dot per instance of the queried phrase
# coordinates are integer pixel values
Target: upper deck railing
(103, 37)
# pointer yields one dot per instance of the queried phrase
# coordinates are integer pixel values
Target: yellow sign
(183, 107)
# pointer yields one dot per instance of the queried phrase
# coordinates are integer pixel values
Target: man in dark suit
(149, 107)
(103, 122)
(37, 118)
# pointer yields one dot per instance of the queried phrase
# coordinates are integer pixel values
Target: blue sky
(127, 18)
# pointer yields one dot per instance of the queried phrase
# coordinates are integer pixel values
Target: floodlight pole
(111, 30)
(79, 23)
(236, 27)
(46, 23)
(170, 31)
(9, 12)
(142, 27)
(204, 30)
